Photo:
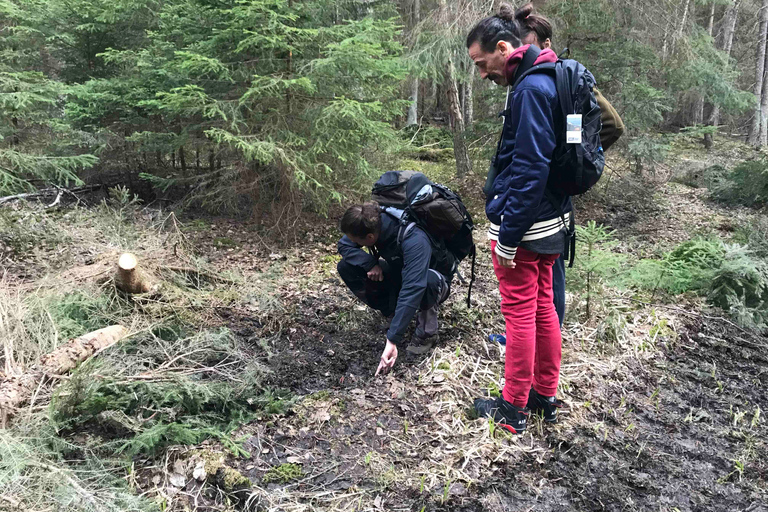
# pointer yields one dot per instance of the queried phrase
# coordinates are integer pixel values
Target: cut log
(130, 278)
(66, 357)
(16, 389)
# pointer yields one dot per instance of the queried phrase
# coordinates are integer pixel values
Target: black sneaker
(545, 406)
(511, 417)
(419, 345)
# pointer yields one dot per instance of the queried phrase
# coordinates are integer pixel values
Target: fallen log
(130, 278)
(16, 389)
(49, 192)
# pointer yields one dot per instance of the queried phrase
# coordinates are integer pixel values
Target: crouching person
(394, 277)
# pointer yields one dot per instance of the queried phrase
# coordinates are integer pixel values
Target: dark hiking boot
(544, 406)
(419, 345)
(511, 417)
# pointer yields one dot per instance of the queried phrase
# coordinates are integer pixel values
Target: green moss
(283, 474)
(223, 241)
(227, 478)
(321, 395)
(196, 225)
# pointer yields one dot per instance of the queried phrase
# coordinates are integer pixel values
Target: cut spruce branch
(132, 279)
(15, 390)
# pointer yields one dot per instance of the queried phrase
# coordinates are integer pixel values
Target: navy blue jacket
(413, 256)
(523, 161)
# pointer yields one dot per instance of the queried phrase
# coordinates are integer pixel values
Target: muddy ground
(667, 416)
(668, 419)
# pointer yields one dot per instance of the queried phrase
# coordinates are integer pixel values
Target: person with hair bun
(528, 219)
(394, 278)
(536, 29)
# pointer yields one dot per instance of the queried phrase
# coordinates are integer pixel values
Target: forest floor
(665, 413)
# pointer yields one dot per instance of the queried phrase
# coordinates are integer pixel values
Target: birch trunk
(463, 162)
(754, 132)
(728, 29)
(469, 107)
(413, 109)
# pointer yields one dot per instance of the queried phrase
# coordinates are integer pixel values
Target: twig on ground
(71, 481)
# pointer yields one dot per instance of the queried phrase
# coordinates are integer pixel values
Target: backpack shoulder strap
(404, 231)
(554, 69)
(527, 62)
(547, 67)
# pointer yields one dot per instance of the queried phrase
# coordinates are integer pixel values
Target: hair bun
(523, 12)
(506, 12)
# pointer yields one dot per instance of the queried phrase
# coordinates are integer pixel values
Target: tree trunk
(16, 389)
(289, 68)
(413, 109)
(131, 279)
(182, 160)
(469, 107)
(413, 115)
(764, 104)
(754, 132)
(729, 28)
(699, 106)
(681, 27)
(698, 110)
(463, 162)
(732, 14)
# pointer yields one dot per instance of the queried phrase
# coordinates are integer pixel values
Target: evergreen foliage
(746, 184)
(596, 263)
(730, 276)
(236, 104)
(207, 393)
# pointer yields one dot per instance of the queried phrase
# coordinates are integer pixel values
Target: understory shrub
(730, 276)
(709, 177)
(740, 286)
(746, 184)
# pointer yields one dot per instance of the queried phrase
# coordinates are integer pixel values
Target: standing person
(527, 232)
(537, 30)
(395, 278)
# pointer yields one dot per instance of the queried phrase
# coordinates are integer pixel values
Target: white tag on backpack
(573, 129)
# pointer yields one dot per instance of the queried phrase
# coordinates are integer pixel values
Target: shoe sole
(538, 414)
(510, 428)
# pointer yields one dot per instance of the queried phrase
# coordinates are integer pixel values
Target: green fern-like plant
(740, 286)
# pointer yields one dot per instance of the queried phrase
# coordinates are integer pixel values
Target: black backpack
(437, 210)
(575, 168)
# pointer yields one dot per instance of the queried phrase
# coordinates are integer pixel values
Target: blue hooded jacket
(518, 199)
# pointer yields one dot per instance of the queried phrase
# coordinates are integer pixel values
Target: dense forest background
(242, 105)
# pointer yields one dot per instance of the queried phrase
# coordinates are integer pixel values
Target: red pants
(534, 342)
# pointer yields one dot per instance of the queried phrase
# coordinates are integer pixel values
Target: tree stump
(130, 278)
